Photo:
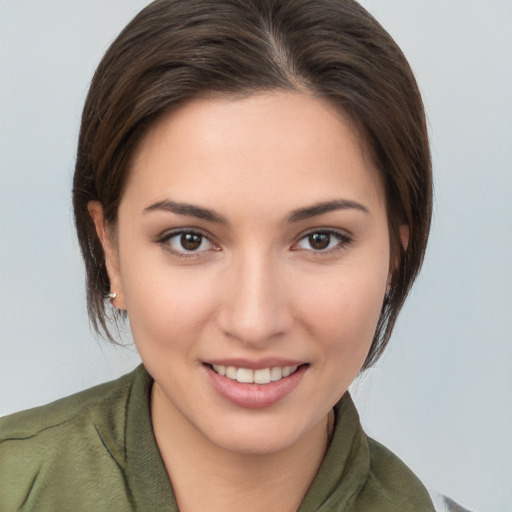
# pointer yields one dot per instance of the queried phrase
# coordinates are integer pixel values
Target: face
(252, 256)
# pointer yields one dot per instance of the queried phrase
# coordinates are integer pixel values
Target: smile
(248, 376)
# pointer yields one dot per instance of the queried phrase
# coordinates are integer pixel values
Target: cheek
(343, 310)
(166, 308)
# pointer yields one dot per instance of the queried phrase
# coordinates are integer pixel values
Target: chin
(265, 436)
(252, 443)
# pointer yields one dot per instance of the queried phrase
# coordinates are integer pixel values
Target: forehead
(291, 147)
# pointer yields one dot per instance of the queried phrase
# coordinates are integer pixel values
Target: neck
(207, 477)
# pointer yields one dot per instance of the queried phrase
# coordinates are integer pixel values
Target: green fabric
(95, 451)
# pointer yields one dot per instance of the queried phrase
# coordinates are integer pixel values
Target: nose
(256, 309)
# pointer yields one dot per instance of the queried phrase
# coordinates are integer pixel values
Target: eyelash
(164, 240)
(343, 240)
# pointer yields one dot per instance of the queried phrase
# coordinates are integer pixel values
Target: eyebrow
(326, 207)
(189, 210)
(209, 215)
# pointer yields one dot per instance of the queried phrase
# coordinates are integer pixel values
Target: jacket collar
(342, 474)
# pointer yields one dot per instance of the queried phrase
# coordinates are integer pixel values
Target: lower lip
(255, 396)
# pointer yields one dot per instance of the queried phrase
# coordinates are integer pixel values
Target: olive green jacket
(95, 451)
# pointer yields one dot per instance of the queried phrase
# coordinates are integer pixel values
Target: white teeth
(247, 376)
(288, 370)
(262, 376)
(231, 372)
(221, 370)
(276, 374)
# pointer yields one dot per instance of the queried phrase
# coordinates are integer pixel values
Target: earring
(112, 296)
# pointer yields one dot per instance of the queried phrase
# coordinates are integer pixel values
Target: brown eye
(191, 241)
(187, 243)
(327, 241)
(319, 241)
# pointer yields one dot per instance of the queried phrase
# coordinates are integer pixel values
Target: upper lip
(255, 364)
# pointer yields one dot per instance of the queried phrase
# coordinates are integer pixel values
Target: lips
(254, 388)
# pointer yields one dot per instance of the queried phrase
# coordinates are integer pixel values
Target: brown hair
(175, 50)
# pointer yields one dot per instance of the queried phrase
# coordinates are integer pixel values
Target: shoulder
(388, 468)
(400, 486)
(57, 415)
(64, 445)
(361, 475)
(391, 482)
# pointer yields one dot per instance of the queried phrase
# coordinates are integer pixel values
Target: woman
(253, 191)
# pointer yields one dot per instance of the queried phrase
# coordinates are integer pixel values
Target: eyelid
(167, 235)
(344, 239)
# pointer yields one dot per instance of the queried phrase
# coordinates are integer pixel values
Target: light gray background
(441, 396)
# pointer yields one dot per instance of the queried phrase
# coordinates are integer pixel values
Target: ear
(403, 232)
(110, 251)
(404, 235)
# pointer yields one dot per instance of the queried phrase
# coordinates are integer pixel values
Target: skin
(255, 287)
